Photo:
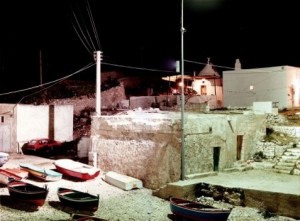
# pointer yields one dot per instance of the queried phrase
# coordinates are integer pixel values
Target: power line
(51, 82)
(93, 24)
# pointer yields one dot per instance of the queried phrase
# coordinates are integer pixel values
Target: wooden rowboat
(189, 210)
(76, 169)
(83, 217)
(18, 172)
(41, 173)
(77, 199)
(4, 157)
(27, 192)
(7, 177)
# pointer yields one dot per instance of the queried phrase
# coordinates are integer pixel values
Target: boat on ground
(27, 192)
(122, 181)
(83, 217)
(4, 157)
(7, 177)
(18, 172)
(76, 169)
(41, 173)
(78, 199)
(189, 210)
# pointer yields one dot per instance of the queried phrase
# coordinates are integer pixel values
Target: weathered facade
(280, 85)
(148, 146)
(20, 123)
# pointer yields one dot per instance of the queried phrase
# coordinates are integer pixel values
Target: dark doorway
(216, 158)
(239, 144)
(203, 90)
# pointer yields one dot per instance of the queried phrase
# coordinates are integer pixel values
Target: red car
(41, 147)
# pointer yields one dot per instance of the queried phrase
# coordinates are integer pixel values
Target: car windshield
(32, 142)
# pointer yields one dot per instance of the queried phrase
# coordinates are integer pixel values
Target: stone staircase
(288, 161)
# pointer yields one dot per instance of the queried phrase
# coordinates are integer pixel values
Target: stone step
(294, 150)
(287, 161)
(200, 175)
(289, 157)
(282, 171)
(285, 164)
(278, 167)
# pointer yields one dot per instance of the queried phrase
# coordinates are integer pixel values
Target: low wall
(279, 203)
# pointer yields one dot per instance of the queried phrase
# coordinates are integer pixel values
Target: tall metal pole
(41, 68)
(98, 82)
(182, 98)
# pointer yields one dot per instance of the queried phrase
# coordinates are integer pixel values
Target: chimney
(237, 65)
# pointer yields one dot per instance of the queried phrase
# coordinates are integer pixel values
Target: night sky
(145, 34)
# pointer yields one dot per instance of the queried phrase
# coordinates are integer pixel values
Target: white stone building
(280, 85)
(206, 86)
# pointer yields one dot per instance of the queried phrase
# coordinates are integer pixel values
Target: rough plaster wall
(112, 97)
(145, 149)
(148, 146)
(199, 153)
(253, 127)
(201, 135)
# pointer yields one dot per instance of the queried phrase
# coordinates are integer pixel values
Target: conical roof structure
(208, 71)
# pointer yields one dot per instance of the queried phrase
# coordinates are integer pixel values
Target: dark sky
(137, 33)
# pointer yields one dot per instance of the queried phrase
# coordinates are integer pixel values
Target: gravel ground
(115, 204)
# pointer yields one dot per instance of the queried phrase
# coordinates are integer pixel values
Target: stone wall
(288, 130)
(270, 149)
(147, 145)
(144, 147)
(109, 99)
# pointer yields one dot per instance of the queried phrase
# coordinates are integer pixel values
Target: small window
(2, 119)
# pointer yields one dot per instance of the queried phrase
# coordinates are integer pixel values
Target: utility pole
(97, 56)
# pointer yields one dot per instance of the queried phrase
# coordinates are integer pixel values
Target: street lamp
(182, 98)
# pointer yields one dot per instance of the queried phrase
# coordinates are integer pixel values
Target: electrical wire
(122, 66)
(51, 82)
(137, 68)
(86, 47)
(93, 25)
(91, 48)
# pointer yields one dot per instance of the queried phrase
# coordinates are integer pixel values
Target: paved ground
(257, 179)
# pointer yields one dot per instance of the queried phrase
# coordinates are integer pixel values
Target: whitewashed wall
(33, 122)
(268, 84)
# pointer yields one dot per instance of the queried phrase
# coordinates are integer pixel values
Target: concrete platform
(263, 189)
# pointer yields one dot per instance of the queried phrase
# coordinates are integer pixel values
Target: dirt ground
(138, 205)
